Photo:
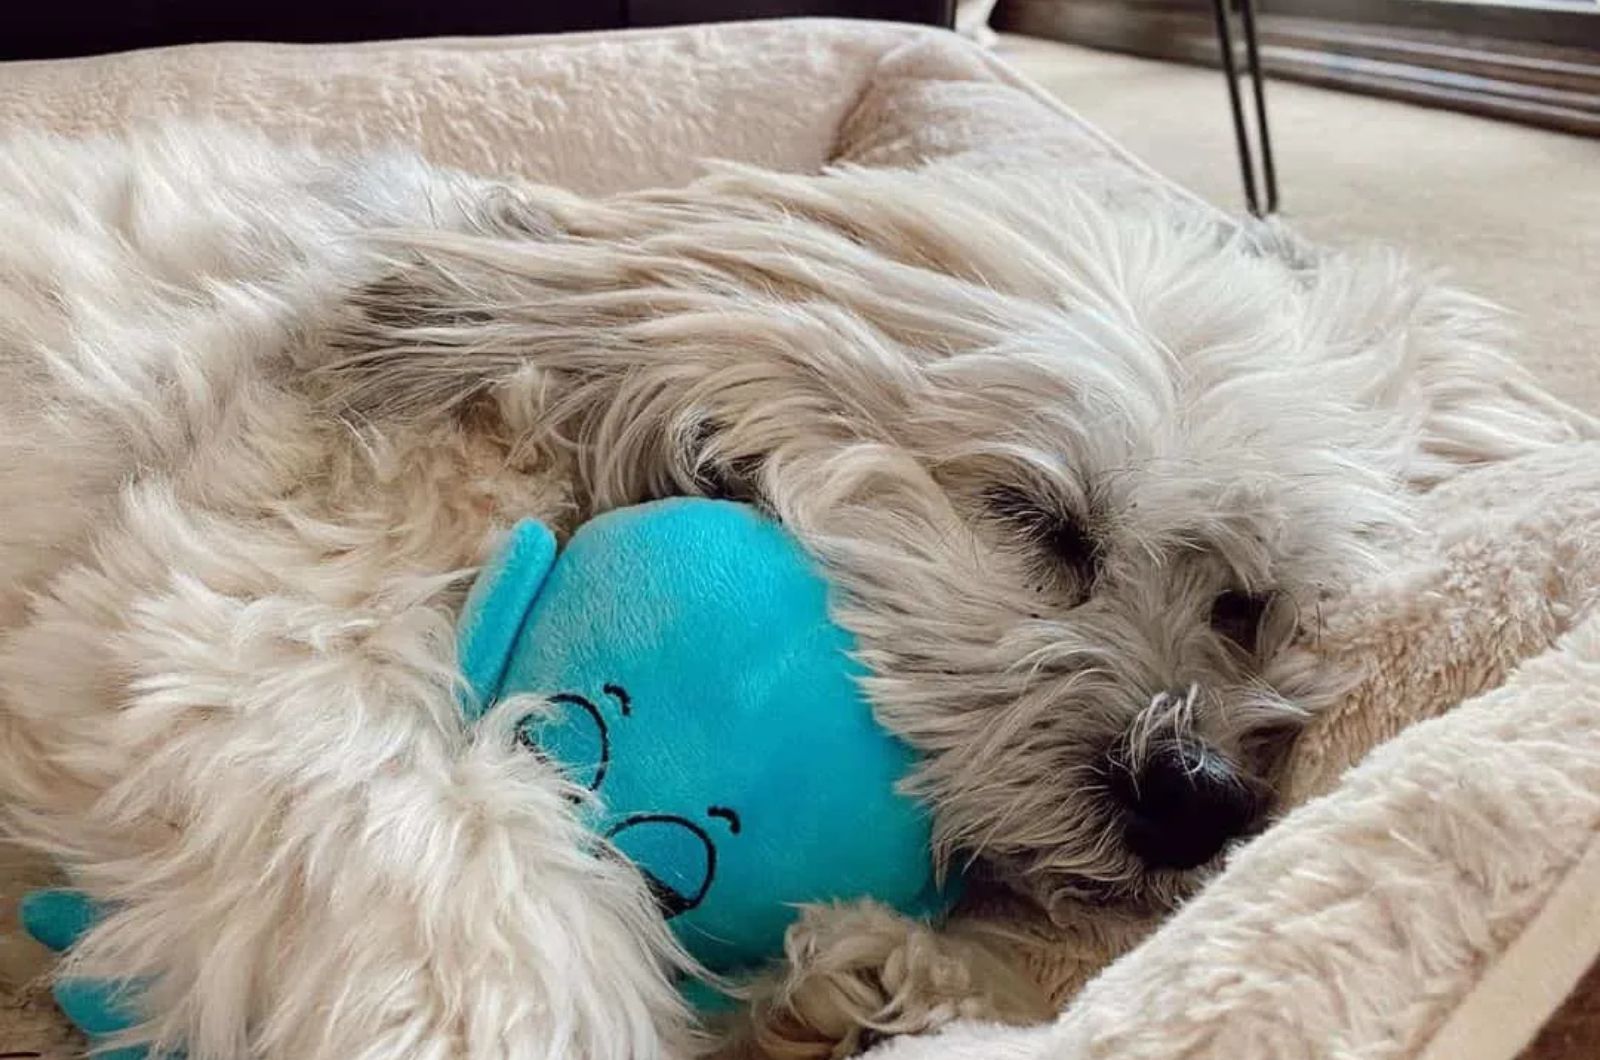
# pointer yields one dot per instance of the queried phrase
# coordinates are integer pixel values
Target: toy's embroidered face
(709, 714)
(677, 855)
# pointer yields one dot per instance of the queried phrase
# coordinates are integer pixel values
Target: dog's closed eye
(1238, 615)
(1063, 538)
(710, 473)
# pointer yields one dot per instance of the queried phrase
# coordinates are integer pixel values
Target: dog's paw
(857, 974)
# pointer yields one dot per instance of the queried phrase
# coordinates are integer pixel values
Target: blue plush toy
(698, 688)
(705, 697)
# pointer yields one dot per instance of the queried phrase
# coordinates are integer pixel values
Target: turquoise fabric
(57, 918)
(98, 1007)
(701, 691)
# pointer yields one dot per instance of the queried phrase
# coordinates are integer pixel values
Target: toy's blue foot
(98, 1007)
(57, 918)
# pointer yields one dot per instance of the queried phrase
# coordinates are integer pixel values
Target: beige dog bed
(1433, 902)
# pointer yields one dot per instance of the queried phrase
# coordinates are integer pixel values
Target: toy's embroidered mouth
(677, 857)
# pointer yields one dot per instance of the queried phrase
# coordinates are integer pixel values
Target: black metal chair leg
(1247, 168)
(1269, 173)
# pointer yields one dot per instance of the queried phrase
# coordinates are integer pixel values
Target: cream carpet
(1509, 212)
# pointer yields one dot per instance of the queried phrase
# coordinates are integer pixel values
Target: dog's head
(1084, 566)
(1081, 477)
(1084, 589)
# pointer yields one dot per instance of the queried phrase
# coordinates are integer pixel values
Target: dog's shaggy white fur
(1080, 467)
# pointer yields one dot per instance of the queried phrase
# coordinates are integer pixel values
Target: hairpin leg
(1252, 53)
(1247, 168)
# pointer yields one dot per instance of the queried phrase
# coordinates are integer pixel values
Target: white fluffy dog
(1081, 472)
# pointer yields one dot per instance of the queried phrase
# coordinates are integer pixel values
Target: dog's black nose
(1183, 804)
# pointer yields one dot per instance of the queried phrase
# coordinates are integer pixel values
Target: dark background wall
(37, 29)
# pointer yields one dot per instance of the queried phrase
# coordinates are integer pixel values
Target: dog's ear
(399, 343)
(403, 301)
(395, 348)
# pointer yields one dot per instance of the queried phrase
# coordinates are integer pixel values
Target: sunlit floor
(1512, 212)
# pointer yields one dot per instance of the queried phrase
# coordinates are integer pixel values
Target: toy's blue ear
(497, 608)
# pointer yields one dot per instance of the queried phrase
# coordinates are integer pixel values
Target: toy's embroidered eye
(676, 856)
(527, 729)
(575, 741)
(578, 741)
(729, 814)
